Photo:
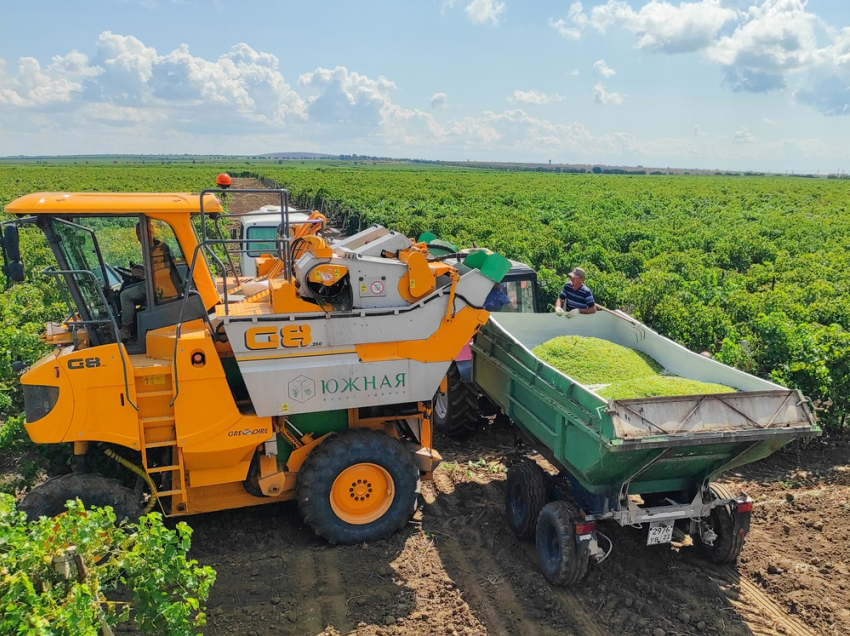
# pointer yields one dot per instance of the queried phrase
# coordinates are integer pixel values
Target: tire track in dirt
(332, 596)
(497, 571)
(762, 614)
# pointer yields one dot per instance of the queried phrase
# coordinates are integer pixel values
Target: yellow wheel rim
(362, 493)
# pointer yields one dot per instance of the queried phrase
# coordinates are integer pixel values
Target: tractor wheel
(48, 499)
(358, 485)
(525, 496)
(728, 544)
(562, 563)
(455, 412)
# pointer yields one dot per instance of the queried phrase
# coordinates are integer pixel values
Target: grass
(619, 372)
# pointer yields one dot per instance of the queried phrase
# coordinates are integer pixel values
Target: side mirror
(10, 242)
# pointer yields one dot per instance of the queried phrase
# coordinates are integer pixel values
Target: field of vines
(754, 270)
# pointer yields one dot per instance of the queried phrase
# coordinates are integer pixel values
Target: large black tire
(359, 485)
(525, 496)
(562, 563)
(48, 499)
(455, 412)
(728, 544)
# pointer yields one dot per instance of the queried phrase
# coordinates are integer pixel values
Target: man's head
(577, 277)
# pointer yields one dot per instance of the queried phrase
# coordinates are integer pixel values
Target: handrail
(51, 271)
(188, 291)
(205, 244)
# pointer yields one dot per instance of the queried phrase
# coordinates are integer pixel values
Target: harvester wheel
(48, 499)
(358, 485)
(728, 544)
(525, 496)
(455, 411)
(560, 559)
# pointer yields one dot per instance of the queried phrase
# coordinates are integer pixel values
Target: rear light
(585, 527)
(746, 506)
(39, 401)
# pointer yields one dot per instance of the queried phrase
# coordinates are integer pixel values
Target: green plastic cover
(493, 266)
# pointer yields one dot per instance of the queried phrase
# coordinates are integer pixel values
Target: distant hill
(298, 155)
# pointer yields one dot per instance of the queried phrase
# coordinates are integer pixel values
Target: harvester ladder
(157, 430)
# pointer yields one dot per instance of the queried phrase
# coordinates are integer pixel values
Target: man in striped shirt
(575, 298)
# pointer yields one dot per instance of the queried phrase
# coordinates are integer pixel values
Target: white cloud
(481, 11)
(743, 136)
(242, 90)
(776, 36)
(533, 97)
(770, 122)
(603, 69)
(576, 17)
(565, 31)
(601, 96)
(346, 98)
(438, 100)
(760, 45)
(688, 26)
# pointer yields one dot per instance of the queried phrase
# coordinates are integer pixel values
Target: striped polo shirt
(581, 298)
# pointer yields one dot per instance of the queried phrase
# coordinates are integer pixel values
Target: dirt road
(457, 569)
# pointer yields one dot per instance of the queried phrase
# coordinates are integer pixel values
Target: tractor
(311, 381)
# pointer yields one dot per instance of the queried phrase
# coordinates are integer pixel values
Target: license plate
(660, 532)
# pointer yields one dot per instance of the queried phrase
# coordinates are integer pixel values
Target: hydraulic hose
(141, 473)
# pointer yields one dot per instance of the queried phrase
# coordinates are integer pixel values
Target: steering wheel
(126, 273)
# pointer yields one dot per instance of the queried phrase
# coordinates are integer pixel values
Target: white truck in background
(262, 224)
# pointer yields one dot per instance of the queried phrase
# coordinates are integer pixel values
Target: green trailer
(647, 461)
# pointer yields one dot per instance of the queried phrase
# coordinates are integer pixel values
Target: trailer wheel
(728, 544)
(560, 559)
(358, 485)
(455, 411)
(525, 496)
(48, 499)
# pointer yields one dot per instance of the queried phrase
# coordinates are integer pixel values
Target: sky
(711, 84)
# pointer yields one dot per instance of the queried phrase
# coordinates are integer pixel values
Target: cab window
(168, 263)
(261, 232)
(521, 296)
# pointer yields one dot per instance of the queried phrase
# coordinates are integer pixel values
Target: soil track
(244, 203)
(457, 568)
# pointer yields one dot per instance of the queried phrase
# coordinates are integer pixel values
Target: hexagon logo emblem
(302, 389)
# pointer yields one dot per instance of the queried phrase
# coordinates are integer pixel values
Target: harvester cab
(312, 380)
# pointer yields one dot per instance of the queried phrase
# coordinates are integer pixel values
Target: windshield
(521, 296)
(81, 253)
(261, 232)
(78, 254)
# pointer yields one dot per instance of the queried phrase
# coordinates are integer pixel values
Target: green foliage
(705, 261)
(702, 260)
(145, 562)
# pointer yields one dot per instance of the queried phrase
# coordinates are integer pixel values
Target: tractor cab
(121, 274)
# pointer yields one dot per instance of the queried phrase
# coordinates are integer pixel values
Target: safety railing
(205, 249)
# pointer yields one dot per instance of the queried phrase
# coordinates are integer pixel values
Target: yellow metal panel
(442, 346)
(211, 432)
(286, 301)
(226, 497)
(419, 279)
(51, 371)
(111, 203)
(93, 404)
